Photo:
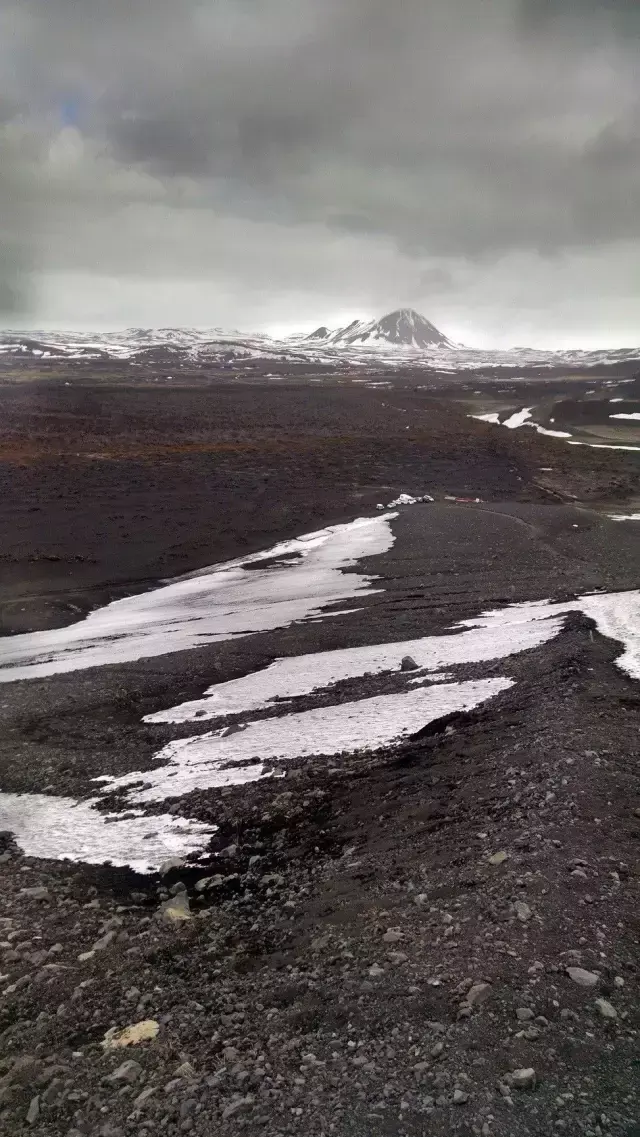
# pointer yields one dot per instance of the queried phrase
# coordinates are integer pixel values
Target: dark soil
(103, 491)
(288, 955)
(357, 965)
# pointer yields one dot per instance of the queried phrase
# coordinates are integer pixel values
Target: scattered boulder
(104, 942)
(33, 1112)
(36, 893)
(143, 1097)
(408, 663)
(606, 1009)
(581, 977)
(524, 1014)
(176, 909)
(207, 882)
(172, 863)
(237, 1105)
(524, 1079)
(478, 994)
(499, 858)
(144, 1031)
(129, 1072)
(523, 911)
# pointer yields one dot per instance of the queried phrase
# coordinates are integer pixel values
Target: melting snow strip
(215, 759)
(492, 635)
(218, 603)
(60, 828)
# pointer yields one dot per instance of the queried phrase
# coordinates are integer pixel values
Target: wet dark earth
(435, 937)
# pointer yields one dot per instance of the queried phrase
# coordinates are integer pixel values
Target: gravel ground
(439, 937)
(104, 491)
(380, 945)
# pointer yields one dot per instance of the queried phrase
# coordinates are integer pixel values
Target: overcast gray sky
(282, 163)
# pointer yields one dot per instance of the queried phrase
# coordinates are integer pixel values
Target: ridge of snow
(361, 344)
(221, 602)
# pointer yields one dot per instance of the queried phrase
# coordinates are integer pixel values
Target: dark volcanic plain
(363, 964)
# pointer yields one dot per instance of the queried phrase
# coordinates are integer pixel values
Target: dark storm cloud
(446, 129)
(622, 17)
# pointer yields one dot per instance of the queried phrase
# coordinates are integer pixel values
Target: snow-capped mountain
(399, 340)
(404, 328)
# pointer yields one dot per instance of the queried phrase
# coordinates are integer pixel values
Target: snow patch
(218, 603)
(222, 759)
(602, 445)
(518, 418)
(551, 433)
(59, 828)
(493, 635)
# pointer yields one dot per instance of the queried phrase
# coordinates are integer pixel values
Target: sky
(277, 164)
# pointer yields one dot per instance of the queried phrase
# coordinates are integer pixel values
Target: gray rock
(206, 882)
(103, 943)
(171, 863)
(37, 893)
(524, 1079)
(566, 1013)
(524, 1014)
(478, 994)
(176, 909)
(144, 1096)
(33, 1112)
(129, 1071)
(532, 1033)
(237, 1105)
(392, 936)
(459, 1097)
(581, 977)
(523, 911)
(607, 1010)
(186, 1070)
(408, 663)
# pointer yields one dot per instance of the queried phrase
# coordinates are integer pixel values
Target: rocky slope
(438, 939)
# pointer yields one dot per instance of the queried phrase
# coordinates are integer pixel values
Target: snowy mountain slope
(400, 339)
(404, 328)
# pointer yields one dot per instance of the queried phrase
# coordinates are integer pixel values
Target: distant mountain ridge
(401, 339)
(405, 327)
